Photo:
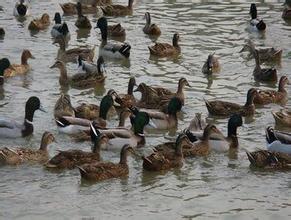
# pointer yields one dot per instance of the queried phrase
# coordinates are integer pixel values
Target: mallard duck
(255, 23)
(169, 120)
(211, 65)
(278, 141)
(127, 100)
(165, 160)
(269, 54)
(269, 160)
(69, 159)
(72, 55)
(134, 137)
(265, 97)
(151, 29)
(264, 75)
(165, 49)
(12, 129)
(72, 125)
(79, 80)
(116, 50)
(21, 8)
(82, 21)
(90, 68)
(107, 170)
(40, 24)
(60, 29)
(92, 111)
(63, 107)
(118, 10)
(19, 69)
(123, 116)
(4, 64)
(282, 117)
(223, 108)
(20, 155)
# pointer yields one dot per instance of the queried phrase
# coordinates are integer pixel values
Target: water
(218, 187)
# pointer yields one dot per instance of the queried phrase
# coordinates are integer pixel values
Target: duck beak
(53, 66)
(32, 57)
(41, 108)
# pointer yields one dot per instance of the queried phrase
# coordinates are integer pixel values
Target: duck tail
(125, 50)
(83, 172)
(251, 157)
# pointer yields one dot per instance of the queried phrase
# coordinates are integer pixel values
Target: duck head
(283, 82)
(210, 62)
(234, 122)
(209, 130)
(181, 141)
(250, 96)
(58, 64)
(174, 106)
(26, 54)
(47, 139)
(106, 103)
(32, 104)
(176, 39)
(131, 84)
(45, 18)
(125, 150)
(102, 25)
(57, 18)
(21, 8)
(270, 136)
(253, 11)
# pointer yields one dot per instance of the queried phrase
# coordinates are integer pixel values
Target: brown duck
(63, 107)
(40, 24)
(16, 156)
(149, 28)
(223, 108)
(106, 170)
(71, 158)
(127, 100)
(265, 97)
(118, 10)
(165, 49)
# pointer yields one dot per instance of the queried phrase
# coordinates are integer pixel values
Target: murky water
(214, 187)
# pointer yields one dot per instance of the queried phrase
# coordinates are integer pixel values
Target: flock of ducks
(158, 108)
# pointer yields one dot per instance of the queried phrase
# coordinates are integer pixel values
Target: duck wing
(283, 137)
(77, 121)
(222, 107)
(6, 123)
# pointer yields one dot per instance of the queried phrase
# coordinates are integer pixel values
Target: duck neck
(130, 88)
(79, 10)
(130, 3)
(175, 43)
(96, 147)
(281, 87)
(28, 119)
(43, 144)
(103, 112)
(179, 150)
(257, 58)
(104, 33)
(231, 130)
(123, 157)
(250, 100)
(148, 20)
(63, 75)
(180, 88)
(24, 59)
(62, 45)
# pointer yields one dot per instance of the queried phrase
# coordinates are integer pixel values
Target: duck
(4, 64)
(118, 10)
(255, 23)
(82, 21)
(282, 117)
(107, 49)
(19, 69)
(269, 160)
(265, 97)
(69, 159)
(199, 147)
(60, 29)
(70, 8)
(158, 97)
(278, 141)
(135, 136)
(73, 54)
(79, 80)
(211, 65)
(166, 121)
(40, 24)
(63, 107)
(73, 125)
(223, 108)
(21, 8)
(165, 49)
(115, 30)
(286, 14)
(107, 170)
(91, 68)
(12, 129)
(198, 123)
(264, 75)
(16, 156)
(269, 54)
(151, 29)
(127, 100)
(165, 160)
(92, 111)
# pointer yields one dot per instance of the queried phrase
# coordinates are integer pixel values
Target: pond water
(219, 186)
